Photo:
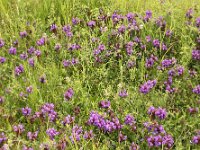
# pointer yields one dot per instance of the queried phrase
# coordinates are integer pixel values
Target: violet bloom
(196, 54)
(57, 47)
(129, 120)
(51, 132)
(167, 63)
(38, 53)
(74, 47)
(148, 16)
(69, 94)
(196, 90)
(167, 141)
(122, 137)
(23, 56)
(146, 87)
(75, 21)
(116, 17)
(104, 104)
(3, 138)
(18, 129)
(148, 38)
(134, 146)
(31, 50)
(193, 110)
(32, 135)
(123, 93)
(88, 135)
(1, 99)
(150, 61)
(48, 110)
(29, 89)
(156, 43)
(53, 28)
(41, 41)
(13, 51)
(91, 24)
(31, 62)
(27, 148)
(130, 16)
(66, 63)
(198, 22)
(161, 113)
(122, 29)
(129, 48)
(131, 64)
(196, 139)
(26, 111)
(180, 70)
(2, 43)
(189, 13)
(68, 120)
(76, 133)
(2, 60)
(19, 69)
(74, 61)
(168, 33)
(23, 34)
(154, 141)
(161, 22)
(42, 79)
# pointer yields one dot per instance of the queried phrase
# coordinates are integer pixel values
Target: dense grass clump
(99, 74)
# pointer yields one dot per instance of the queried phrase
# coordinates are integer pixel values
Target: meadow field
(99, 74)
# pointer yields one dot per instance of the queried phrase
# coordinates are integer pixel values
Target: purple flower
(76, 133)
(53, 28)
(196, 54)
(122, 137)
(198, 22)
(66, 63)
(2, 60)
(91, 24)
(193, 110)
(51, 132)
(196, 139)
(3, 138)
(129, 48)
(31, 62)
(19, 69)
(161, 113)
(104, 104)
(32, 135)
(156, 43)
(41, 41)
(189, 13)
(167, 63)
(68, 120)
(129, 120)
(74, 47)
(31, 50)
(48, 110)
(1, 99)
(42, 79)
(29, 89)
(168, 33)
(26, 111)
(150, 61)
(88, 135)
(146, 87)
(148, 38)
(180, 70)
(122, 29)
(27, 148)
(130, 16)
(23, 34)
(196, 90)
(2, 43)
(167, 141)
(38, 53)
(123, 93)
(23, 56)
(57, 47)
(131, 64)
(75, 21)
(134, 146)
(160, 22)
(13, 51)
(69, 94)
(148, 16)
(18, 129)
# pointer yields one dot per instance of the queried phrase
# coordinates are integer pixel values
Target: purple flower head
(193, 110)
(75, 21)
(69, 94)
(167, 141)
(189, 13)
(2, 60)
(122, 29)
(41, 41)
(38, 53)
(57, 47)
(26, 111)
(196, 54)
(23, 34)
(19, 69)
(31, 62)
(66, 63)
(161, 113)
(53, 28)
(148, 16)
(51, 132)
(180, 70)
(150, 61)
(160, 22)
(2, 43)
(3, 138)
(48, 110)
(116, 17)
(68, 120)
(76, 133)
(146, 87)
(134, 146)
(32, 135)
(130, 16)
(67, 28)
(23, 56)
(104, 104)
(18, 129)
(74, 47)
(196, 139)
(29, 89)
(31, 50)
(167, 63)
(123, 93)
(129, 120)
(74, 61)
(91, 24)
(27, 148)
(131, 64)
(196, 90)
(122, 137)
(148, 38)
(1, 99)
(42, 79)
(13, 51)
(168, 33)
(156, 43)
(198, 22)
(88, 135)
